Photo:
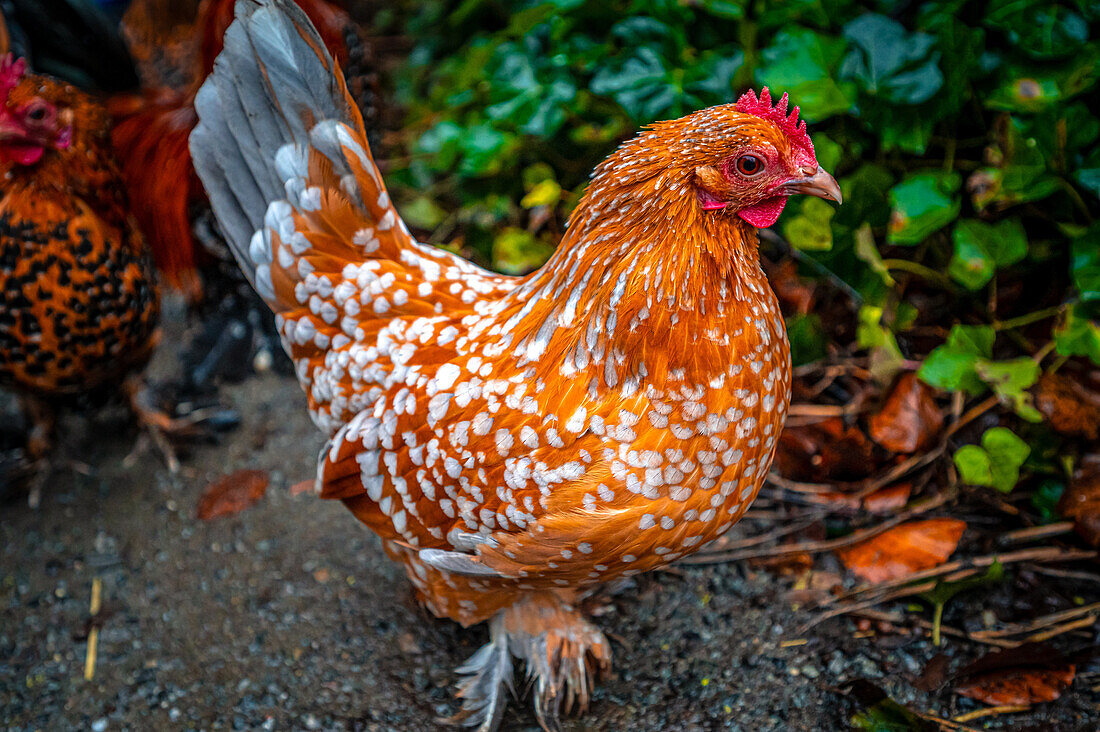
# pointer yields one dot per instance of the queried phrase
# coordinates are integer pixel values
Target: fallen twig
(93, 632)
(991, 712)
(1039, 623)
(1032, 533)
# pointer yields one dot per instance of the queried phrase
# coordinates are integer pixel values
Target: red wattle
(21, 153)
(765, 213)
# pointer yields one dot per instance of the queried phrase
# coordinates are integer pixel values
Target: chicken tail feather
(281, 150)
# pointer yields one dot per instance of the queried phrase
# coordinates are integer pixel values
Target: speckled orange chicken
(515, 442)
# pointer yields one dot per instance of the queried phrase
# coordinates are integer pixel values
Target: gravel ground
(288, 616)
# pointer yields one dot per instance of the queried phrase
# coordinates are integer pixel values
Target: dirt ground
(288, 615)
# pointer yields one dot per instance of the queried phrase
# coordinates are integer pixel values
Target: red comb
(11, 71)
(762, 107)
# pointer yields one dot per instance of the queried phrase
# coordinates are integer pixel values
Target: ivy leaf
(996, 463)
(981, 248)
(1078, 335)
(871, 334)
(1008, 453)
(1041, 30)
(951, 366)
(977, 339)
(974, 464)
(1085, 263)
(638, 84)
(518, 251)
(866, 250)
(890, 62)
(1010, 381)
(1022, 173)
(810, 229)
(922, 204)
(807, 337)
(543, 193)
(802, 63)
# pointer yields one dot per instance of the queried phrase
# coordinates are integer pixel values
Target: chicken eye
(749, 165)
(37, 112)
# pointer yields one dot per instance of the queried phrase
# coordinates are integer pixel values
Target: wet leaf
(304, 486)
(996, 463)
(888, 499)
(922, 204)
(1010, 380)
(801, 62)
(423, 213)
(1078, 335)
(1067, 406)
(810, 229)
(981, 248)
(1045, 499)
(903, 550)
(866, 250)
(890, 62)
(543, 193)
(909, 419)
(951, 366)
(1025, 675)
(808, 340)
(1085, 262)
(825, 451)
(1081, 501)
(517, 251)
(232, 494)
(871, 334)
(879, 713)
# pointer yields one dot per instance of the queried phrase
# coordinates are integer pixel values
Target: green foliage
(963, 134)
(996, 462)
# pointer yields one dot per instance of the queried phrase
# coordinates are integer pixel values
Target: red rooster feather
(515, 442)
(150, 138)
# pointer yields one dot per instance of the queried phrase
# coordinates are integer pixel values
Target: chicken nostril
(808, 170)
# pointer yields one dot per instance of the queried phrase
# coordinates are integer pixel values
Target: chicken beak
(10, 131)
(819, 184)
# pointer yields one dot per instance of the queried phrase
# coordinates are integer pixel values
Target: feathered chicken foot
(561, 650)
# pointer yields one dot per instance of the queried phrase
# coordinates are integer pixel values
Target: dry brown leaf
(888, 499)
(826, 451)
(909, 419)
(1081, 501)
(786, 565)
(903, 550)
(884, 500)
(1020, 686)
(232, 493)
(301, 487)
(1068, 406)
(1024, 675)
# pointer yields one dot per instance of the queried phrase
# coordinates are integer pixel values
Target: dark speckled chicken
(79, 306)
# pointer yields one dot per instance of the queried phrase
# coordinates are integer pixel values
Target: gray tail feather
(272, 82)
